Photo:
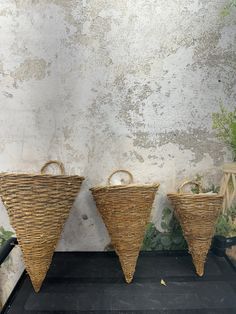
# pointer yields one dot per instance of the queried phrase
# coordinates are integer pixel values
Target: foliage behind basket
(224, 123)
(5, 235)
(171, 237)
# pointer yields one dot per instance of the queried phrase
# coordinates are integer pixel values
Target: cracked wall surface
(107, 84)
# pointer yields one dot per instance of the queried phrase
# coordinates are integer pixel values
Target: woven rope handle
(131, 179)
(198, 184)
(55, 162)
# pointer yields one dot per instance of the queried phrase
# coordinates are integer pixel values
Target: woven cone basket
(125, 210)
(197, 214)
(38, 206)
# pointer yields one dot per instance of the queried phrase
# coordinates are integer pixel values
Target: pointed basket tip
(37, 285)
(128, 260)
(199, 269)
(129, 278)
(128, 266)
(37, 277)
(199, 264)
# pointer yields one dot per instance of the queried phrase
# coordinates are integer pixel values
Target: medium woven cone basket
(197, 214)
(38, 206)
(125, 210)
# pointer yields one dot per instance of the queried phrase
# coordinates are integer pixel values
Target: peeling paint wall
(107, 84)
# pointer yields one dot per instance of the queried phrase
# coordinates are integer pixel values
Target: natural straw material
(197, 214)
(38, 206)
(125, 210)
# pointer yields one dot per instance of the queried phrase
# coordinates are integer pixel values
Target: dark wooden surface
(93, 283)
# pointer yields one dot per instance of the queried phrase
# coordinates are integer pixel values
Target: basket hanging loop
(56, 162)
(131, 179)
(196, 183)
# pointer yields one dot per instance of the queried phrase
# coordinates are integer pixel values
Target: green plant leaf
(164, 225)
(225, 12)
(166, 241)
(233, 137)
(227, 9)
(166, 211)
(5, 235)
(224, 123)
(177, 239)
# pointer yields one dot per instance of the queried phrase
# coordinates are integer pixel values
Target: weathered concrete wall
(106, 84)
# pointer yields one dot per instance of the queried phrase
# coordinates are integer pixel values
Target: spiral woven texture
(197, 215)
(125, 211)
(38, 206)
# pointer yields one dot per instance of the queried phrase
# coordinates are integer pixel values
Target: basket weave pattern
(38, 206)
(125, 211)
(197, 214)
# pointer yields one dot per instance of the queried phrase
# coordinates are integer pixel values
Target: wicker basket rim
(201, 195)
(33, 175)
(124, 186)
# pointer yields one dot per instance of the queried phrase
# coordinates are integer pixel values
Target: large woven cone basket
(38, 206)
(125, 210)
(197, 214)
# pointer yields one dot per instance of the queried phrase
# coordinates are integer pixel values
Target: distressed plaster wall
(106, 84)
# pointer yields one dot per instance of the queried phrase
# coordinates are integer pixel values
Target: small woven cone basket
(197, 214)
(38, 206)
(125, 210)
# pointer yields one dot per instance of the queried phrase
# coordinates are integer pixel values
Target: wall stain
(5, 12)
(30, 69)
(138, 157)
(68, 132)
(200, 142)
(133, 105)
(7, 95)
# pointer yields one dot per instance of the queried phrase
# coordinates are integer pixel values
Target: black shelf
(92, 282)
